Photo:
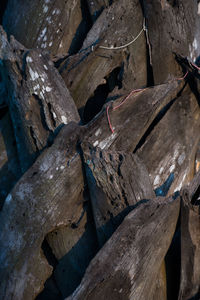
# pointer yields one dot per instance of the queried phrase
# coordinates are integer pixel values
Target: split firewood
(49, 195)
(170, 148)
(117, 181)
(46, 24)
(37, 97)
(173, 26)
(129, 262)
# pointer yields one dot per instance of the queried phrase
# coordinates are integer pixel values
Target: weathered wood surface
(9, 164)
(37, 97)
(117, 181)
(47, 24)
(134, 252)
(132, 120)
(85, 71)
(173, 26)
(190, 241)
(171, 146)
(29, 214)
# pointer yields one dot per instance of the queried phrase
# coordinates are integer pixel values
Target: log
(37, 97)
(132, 120)
(39, 203)
(142, 239)
(173, 26)
(89, 73)
(46, 24)
(190, 241)
(117, 181)
(170, 147)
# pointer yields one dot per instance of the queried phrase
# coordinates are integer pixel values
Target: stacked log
(99, 141)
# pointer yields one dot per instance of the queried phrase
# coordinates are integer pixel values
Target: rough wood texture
(46, 24)
(116, 26)
(173, 26)
(29, 214)
(132, 120)
(117, 181)
(96, 7)
(171, 146)
(190, 241)
(38, 98)
(142, 239)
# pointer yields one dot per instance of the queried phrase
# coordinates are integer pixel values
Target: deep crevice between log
(82, 30)
(51, 290)
(150, 77)
(173, 264)
(2, 10)
(95, 103)
(156, 120)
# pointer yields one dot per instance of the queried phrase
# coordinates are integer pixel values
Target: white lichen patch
(64, 119)
(42, 34)
(34, 75)
(198, 11)
(178, 188)
(181, 158)
(54, 115)
(161, 170)
(98, 132)
(108, 141)
(171, 169)
(45, 67)
(45, 9)
(95, 143)
(29, 59)
(48, 89)
(44, 45)
(51, 176)
(50, 44)
(48, 19)
(62, 167)
(156, 180)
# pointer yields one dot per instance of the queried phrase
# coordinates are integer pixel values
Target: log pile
(100, 150)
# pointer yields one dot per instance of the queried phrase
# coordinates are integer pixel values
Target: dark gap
(194, 87)
(51, 114)
(2, 10)
(156, 120)
(49, 254)
(3, 111)
(83, 29)
(51, 290)
(95, 103)
(150, 77)
(42, 113)
(173, 264)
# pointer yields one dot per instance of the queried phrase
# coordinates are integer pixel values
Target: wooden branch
(130, 261)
